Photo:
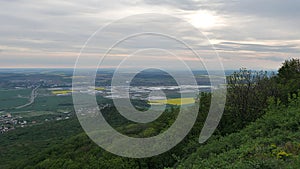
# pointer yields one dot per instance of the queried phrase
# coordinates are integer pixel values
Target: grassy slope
(271, 142)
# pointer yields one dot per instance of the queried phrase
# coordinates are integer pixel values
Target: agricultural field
(50, 103)
(30, 114)
(100, 88)
(69, 91)
(12, 98)
(177, 101)
(61, 92)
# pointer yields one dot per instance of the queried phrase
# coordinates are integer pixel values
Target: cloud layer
(249, 33)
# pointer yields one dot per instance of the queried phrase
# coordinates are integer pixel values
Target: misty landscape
(143, 84)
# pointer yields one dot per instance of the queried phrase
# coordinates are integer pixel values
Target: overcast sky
(256, 34)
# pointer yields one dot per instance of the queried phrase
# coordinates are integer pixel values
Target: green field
(29, 114)
(50, 103)
(13, 97)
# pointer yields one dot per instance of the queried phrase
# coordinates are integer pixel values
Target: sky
(253, 34)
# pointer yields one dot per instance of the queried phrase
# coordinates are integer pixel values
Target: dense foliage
(273, 141)
(288, 79)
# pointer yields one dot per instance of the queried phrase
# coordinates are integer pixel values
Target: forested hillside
(273, 141)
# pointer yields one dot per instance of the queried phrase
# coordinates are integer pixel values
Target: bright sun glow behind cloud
(203, 19)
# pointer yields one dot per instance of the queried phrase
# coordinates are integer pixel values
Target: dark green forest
(260, 128)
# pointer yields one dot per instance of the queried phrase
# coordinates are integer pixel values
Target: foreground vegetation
(273, 141)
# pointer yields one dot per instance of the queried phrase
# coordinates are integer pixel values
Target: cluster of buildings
(8, 122)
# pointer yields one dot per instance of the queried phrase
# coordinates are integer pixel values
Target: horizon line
(50, 68)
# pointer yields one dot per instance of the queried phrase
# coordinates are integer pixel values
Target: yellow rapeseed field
(177, 101)
(56, 92)
(99, 88)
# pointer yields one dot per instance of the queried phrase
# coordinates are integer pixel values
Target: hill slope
(23, 143)
(273, 141)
